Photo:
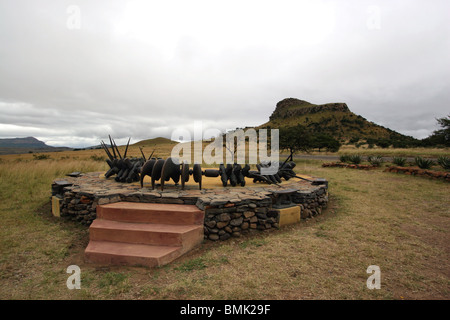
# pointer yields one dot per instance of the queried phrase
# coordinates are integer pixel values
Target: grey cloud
(78, 86)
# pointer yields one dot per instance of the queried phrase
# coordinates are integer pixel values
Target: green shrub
(444, 162)
(383, 143)
(423, 163)
(355, 159)
(375, 160)
(344, 158)
(194, 264)
(97, 158)
(399, 161)
(41, 156)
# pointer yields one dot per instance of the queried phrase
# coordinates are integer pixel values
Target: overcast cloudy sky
(72, 72)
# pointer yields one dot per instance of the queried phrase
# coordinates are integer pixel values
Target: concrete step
(186, 236)
(158, 213)
(119, 253)
(147, 234)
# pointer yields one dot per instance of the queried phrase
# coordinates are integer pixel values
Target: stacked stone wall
(228, 213)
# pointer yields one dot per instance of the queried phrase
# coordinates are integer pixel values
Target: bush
(423, 163)
(444, 162)
(355, 159)
(375, 160)
(399, 161)
(383, 143)
(97, 158)
(344, 158)
(400, 144)
(322, 140)
(41, 156)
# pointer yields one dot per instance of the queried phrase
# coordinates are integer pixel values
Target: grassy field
(389, 152)
(399, 223)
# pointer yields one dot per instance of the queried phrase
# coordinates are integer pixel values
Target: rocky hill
(334, 119)
(292, 107)
(154, 142)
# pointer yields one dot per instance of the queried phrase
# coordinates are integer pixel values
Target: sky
(74, 72)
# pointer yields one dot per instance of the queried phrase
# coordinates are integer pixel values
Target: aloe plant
(375, 160)
(355, 159)
(344, 158)
(423, 163)
(444, 162)
(399, 161)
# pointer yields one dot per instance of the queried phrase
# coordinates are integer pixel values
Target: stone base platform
(229, 211)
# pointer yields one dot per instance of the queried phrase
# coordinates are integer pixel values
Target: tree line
(301, 139)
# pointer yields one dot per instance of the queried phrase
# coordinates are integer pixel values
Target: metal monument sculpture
(163, 170)
(125, 169)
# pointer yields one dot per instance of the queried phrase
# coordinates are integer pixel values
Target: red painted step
(151, 213)
(148, 234)
(145, 233)
(119, 253)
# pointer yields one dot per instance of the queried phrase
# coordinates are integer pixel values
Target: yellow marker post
(289, 215)
(56, 206)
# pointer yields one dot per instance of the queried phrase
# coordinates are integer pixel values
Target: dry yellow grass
(393, 152)
(400, 223)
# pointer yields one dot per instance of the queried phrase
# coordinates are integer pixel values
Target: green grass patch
(193, 264)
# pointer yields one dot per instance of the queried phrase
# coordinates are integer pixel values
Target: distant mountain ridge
(28, 142)
(25, 145)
